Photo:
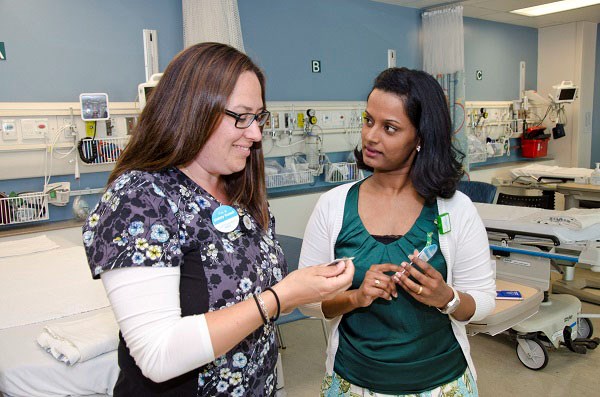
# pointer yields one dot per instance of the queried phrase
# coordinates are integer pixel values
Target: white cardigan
(470, 269)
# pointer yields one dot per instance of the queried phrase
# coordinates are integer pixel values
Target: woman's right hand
(314, 284)
(376, 284)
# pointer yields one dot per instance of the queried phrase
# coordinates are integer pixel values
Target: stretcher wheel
(539, 354)
(585, 329)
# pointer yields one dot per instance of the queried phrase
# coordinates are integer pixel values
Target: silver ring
(377, 282)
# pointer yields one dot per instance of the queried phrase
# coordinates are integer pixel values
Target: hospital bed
(45, 282)
(571, 237)
(525, 243)
(573, 183)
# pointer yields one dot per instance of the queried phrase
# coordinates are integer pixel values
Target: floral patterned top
(164, 219)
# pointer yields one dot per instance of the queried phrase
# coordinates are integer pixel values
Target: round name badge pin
(225, 219)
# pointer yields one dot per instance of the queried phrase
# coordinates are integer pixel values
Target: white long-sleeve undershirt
(145, 302)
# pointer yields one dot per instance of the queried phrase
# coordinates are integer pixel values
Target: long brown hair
(182, 113)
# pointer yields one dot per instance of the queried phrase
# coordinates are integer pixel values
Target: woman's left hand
(430, 288)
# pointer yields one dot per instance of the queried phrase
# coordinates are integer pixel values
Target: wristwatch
(452, 305)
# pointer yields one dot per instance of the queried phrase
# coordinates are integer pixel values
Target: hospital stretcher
(40, 289)
(524, 252)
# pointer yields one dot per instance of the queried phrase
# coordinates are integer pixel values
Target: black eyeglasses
(244, 120)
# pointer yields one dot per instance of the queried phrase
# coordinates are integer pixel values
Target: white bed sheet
(551, 171)
(26, 370)
(519, 219)
(55, 291)
(47, 285)
(26, 246)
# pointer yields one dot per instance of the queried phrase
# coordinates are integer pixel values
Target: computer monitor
(145, 89)
(565, 92)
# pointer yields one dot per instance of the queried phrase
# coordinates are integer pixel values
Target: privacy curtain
(444, 58)
(212, 20)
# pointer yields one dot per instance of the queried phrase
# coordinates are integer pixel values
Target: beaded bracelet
(262, 308)
(278, 303)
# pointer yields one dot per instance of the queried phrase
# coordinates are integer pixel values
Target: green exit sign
(2, 52)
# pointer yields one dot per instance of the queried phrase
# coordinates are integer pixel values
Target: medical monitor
(145, 89)
(565, 92)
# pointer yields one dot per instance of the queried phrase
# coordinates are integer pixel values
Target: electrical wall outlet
(391, 58)
(110, 125)
(130, 124)
(68, 128)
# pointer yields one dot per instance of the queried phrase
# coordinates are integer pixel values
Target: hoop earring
(418, 148)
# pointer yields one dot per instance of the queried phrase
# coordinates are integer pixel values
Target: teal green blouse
(400, 346)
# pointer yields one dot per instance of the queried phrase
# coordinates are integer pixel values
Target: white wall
(567, 52)
(586, 33)
(292, 213)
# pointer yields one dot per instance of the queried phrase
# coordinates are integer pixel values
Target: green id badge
(443, 223)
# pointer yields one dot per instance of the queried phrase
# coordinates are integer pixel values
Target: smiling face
(227, 150)
(389, 139)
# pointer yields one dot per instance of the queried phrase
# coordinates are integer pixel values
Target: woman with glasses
(400, 329)
(184, 241)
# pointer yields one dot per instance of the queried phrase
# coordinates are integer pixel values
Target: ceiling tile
(427, 3)
(497, 10)
(506, 17)
(476, 12)
(395, 2)
(591, 14)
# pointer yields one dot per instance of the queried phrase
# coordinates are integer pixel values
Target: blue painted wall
(353, 50)
(349, 37)
(58, 49)
(596, 118)
(496, 49)
(61, 48)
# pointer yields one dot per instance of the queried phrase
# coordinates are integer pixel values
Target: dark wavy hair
(184, 110)
(437, 167)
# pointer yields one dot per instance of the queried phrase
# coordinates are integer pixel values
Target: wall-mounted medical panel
(494, 129)
(44, 139)
(300, 136)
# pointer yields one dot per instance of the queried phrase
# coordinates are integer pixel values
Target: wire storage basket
(289, 178)
(341, 172)
(26, 207)
(101, 151)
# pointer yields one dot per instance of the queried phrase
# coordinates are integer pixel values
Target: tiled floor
(499, 370)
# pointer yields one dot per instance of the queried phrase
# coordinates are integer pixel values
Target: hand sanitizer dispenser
(595, 177)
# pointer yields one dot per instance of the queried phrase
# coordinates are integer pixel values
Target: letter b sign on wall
(316, 66)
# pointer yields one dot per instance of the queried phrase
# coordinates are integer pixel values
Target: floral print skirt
(336, 386)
